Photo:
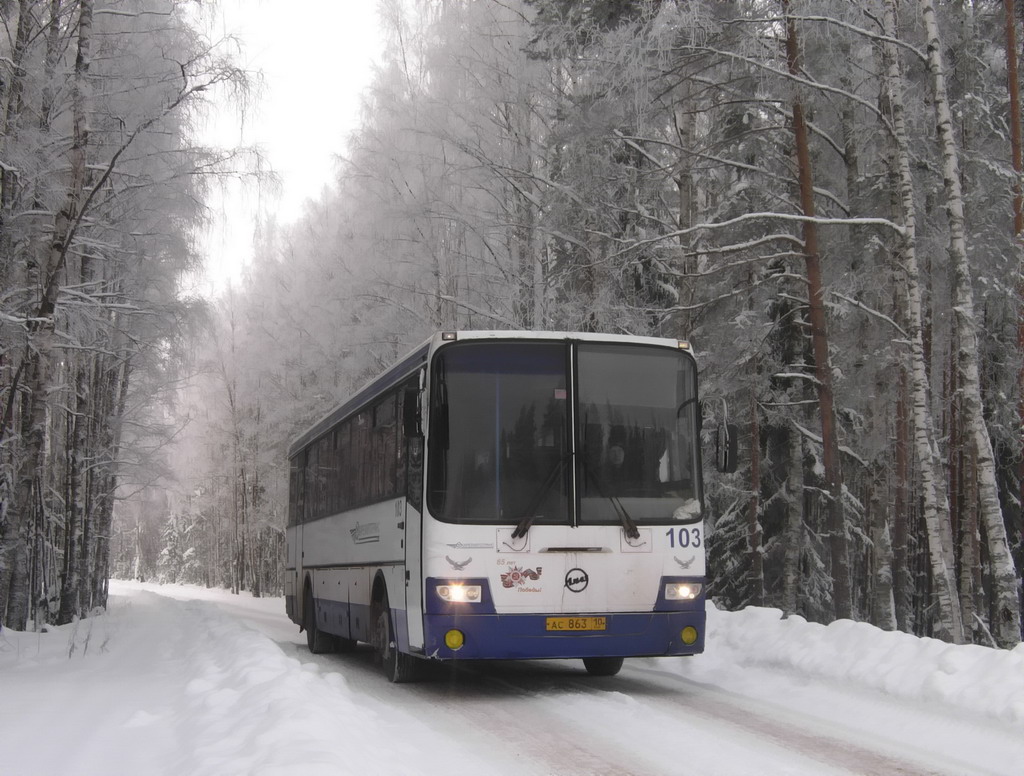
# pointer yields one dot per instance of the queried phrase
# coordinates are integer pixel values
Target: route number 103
(683, 537)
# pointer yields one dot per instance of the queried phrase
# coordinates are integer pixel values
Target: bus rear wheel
(398, 666)
(602, 666)
(317, 641)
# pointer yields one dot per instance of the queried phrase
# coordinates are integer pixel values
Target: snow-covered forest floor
(175, 680)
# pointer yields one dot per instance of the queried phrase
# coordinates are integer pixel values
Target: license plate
(576, 623)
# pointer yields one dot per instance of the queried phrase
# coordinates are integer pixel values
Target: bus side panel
(339, 553)
(330, 587)
(359, 589)
(292, 588)
(394, 579)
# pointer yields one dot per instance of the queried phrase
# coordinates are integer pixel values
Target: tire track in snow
(777, 724)
(497, 718)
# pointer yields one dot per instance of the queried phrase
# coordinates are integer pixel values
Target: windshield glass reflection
(498, 434)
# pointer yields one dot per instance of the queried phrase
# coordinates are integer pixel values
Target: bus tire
(602, 666)
(398, 666)
(317, 641)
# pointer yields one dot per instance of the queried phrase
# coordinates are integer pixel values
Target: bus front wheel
(398, 666)
(602, 666)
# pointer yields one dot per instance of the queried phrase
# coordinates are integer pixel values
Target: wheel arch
(379, 591)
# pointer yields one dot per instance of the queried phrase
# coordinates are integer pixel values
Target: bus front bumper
(530, 636)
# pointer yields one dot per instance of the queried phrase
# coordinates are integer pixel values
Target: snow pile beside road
(162, 686)
(251, 709)
(984, 680)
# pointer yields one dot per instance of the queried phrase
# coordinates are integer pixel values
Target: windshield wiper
(628, 523)
(531, 511)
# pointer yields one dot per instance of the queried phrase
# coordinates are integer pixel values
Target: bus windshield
(498, 434)
(637, 424)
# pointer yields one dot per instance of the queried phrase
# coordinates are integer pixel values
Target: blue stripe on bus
(524, 636)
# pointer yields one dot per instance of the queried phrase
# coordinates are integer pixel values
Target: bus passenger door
(413, 541)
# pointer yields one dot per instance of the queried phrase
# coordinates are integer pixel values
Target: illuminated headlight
(457, 594)
(681, 591)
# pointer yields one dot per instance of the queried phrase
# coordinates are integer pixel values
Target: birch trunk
(1006, 623)
(903, 583)
(933, 493)
(1013, 86)
(968, 540)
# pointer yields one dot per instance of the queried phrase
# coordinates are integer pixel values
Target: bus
(507, 495)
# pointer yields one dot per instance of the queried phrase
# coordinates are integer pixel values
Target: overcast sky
(316, 58)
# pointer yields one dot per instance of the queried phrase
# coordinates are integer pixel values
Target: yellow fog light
(454, 639)
(689, 635)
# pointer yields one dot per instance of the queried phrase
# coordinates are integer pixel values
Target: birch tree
(104, 193)
(1007, 621)
(936, 506)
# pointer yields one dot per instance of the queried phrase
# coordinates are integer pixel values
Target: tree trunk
(1013, 84)
(882, 599)
(75, 511)
(842, 595)
(933, 493)
(903, 582)
(754, 533)
(1006, 627)
(794, 523)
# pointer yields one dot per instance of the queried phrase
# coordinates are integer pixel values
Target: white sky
(316, 58)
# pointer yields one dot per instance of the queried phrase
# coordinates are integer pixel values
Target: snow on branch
(871, 311)
(760, 216)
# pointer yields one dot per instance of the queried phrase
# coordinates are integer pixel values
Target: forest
(823, 197)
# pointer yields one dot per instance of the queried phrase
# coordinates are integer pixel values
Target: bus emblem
(518, 577)
(576, 580)
(362, 534)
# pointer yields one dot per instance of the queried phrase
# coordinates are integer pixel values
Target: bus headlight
(682, 591)
(458, 594)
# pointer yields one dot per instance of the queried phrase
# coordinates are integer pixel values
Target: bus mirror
(411, 422)
(727, 447)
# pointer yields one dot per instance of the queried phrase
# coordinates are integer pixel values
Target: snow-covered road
(179, 680)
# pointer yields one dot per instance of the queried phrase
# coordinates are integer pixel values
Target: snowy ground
(179, 680)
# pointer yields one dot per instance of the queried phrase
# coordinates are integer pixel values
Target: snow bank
(984, 680)
(135, 691)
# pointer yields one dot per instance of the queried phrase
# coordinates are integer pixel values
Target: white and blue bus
(506, 495)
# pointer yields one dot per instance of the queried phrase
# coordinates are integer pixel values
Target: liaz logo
(576, 580)
(517, 577)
